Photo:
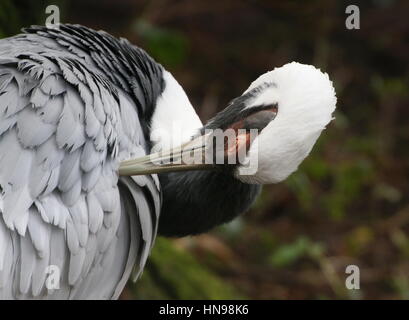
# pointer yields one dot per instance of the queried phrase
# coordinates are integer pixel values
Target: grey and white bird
(80, 111)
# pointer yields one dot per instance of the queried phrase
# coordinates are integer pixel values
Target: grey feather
(28, 260)
(38, 233)
(96, 214)
(90, 157)
(76, 264)
(71, 196)
(52, 210)
(51, 111)
(73, 103)
(39, 98)
(92, 123)
(70, 131)
(49, 155)
(79, 215)
(11, 100)
(72, 237)
(53, 85)
(5, 79)
(31, 131)
(90, 178)
(70, 171)
(6, 123)
(4, 243)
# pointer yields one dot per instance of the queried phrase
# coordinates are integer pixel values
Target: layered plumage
(74, 103)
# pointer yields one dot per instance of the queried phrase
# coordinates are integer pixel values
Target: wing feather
(63, 130)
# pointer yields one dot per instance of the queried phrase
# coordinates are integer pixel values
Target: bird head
(262, 136)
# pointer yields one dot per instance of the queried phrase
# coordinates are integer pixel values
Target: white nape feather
(306, 100)
(174, 120)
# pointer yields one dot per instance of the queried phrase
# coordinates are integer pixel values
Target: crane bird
(80, 112)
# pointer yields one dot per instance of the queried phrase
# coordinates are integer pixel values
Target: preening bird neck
(193, 201)
(196, 201)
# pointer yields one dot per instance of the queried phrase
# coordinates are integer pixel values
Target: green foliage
(9, 18)
(172, 273)
(288, 254)
(300, 184)
(167, 46)
(400, 283)
(390, 87)
(16, 14)
(401, 241)
(349, 179)
(360, 239)
(387, 192)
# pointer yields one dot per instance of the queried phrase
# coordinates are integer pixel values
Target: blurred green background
(348, 202)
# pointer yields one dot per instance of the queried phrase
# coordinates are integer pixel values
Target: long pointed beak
(191, 155)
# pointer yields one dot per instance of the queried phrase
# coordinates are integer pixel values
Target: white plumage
(306, 100)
